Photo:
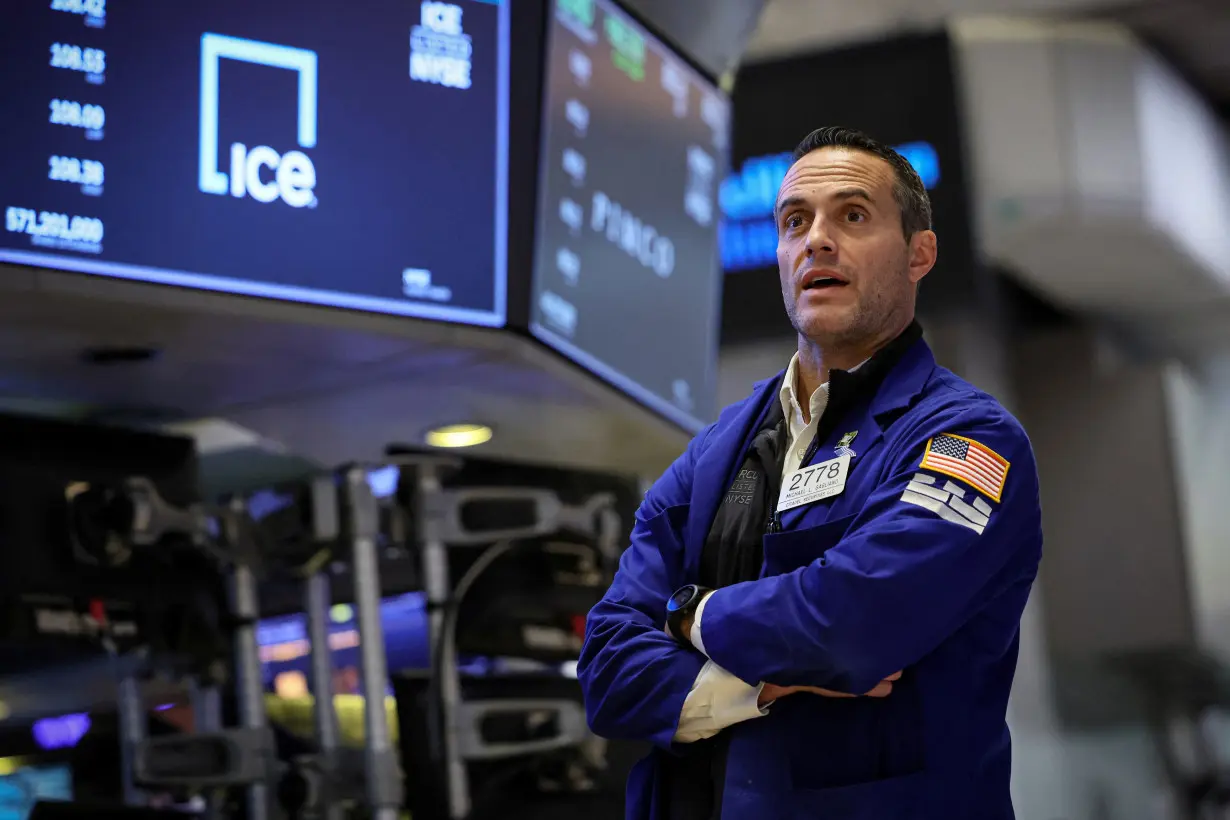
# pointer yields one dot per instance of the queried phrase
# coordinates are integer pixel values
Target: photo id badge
(811, 484)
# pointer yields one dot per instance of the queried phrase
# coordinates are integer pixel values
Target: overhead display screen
(626, 279)
(341, 154)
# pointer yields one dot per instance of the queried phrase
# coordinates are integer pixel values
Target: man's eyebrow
(843, 194)
(788, 202)
(855, 193)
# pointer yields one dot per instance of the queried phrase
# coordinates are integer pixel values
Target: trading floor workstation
(363, 240)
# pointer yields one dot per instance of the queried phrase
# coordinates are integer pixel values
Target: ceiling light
(459, 435)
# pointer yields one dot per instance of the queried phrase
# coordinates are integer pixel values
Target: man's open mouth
(821, 282)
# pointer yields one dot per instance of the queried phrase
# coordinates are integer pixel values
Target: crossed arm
(924, 554)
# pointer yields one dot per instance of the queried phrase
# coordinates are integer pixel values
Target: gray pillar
(977, 345)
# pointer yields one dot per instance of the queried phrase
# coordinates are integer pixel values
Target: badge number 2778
(814, 483)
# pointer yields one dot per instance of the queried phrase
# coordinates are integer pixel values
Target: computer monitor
(626, 274)
(298, 150)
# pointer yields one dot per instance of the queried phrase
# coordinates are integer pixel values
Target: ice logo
(294, 175)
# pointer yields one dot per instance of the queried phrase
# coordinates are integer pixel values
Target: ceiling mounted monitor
(626, 274)
(351, 157)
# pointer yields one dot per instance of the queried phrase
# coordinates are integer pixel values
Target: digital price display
(351, 156)
(626, 278)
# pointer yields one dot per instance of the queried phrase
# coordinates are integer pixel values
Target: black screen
(341, 154)
(626, 278)
(901, 92)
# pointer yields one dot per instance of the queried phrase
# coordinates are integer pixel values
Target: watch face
(681, 597)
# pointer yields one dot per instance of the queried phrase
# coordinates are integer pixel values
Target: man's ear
(922, 255)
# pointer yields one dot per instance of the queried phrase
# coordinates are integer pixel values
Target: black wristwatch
(681, 606)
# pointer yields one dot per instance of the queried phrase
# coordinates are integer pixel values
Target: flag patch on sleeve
(963, 458)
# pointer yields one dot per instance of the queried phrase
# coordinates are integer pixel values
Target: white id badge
(811, 484)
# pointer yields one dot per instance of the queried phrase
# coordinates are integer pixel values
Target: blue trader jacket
(923, 563)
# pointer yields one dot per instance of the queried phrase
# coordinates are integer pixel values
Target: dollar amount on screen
(78, 171)
(76, 58)
(76, 115)
(50, 225)
(90, 8)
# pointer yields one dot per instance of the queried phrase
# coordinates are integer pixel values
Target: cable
(435, 701)
(453, 605)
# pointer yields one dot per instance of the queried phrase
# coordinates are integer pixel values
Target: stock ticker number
(76, 58)
(90, 8)
(77, 171)
(76, 115)
(53, 226)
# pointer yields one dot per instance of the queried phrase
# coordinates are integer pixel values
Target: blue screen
(23, 788)
(339, 154)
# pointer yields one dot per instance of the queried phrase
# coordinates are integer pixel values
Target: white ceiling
(793, 26)
(1194, 35)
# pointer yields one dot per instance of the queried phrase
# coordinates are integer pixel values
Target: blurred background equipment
(512, 556)
(543, 556)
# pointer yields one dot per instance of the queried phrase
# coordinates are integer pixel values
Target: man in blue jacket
(819, 612)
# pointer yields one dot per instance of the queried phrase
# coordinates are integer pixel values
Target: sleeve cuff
(697, 640)
(718, 699)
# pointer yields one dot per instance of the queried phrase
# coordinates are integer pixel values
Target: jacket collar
(848, 387)
(908, 357)
(909, 360)
(911, 371)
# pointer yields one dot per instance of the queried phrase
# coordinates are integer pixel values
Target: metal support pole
(317, 600)
(438, 586)
(132, 731)
(384, 788)
(250, 690)
(206, 707)
(207, 717)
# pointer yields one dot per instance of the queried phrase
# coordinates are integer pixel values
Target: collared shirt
(801, 432)
(719, 699)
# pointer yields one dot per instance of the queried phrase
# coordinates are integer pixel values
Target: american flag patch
(975, 464)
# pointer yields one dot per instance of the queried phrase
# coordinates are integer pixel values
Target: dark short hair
(908, 189)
